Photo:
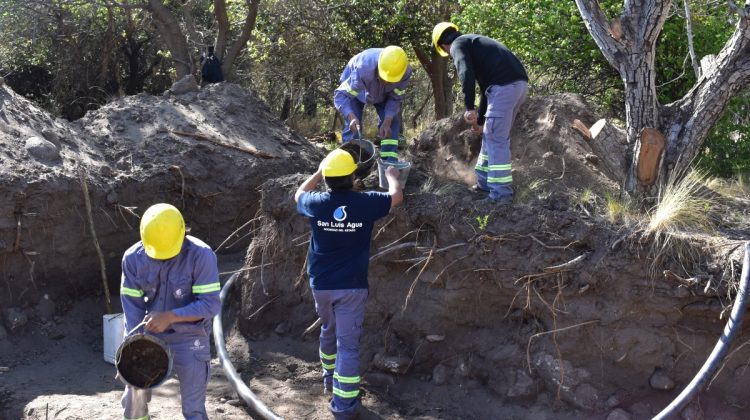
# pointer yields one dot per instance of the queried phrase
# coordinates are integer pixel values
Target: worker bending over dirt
(503, 84)
(171, 282)
(341, 222)
(376, 76)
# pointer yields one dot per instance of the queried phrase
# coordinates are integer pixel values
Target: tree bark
(227, 60)
(628, 44)
(169, 29)
(437, 68)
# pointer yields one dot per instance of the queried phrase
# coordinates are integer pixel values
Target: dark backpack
(211, 70)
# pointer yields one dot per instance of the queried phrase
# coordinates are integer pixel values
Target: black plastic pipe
(722, 346)
(258, 409)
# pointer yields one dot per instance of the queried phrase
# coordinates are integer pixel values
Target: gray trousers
(493, 167)
(342, 313)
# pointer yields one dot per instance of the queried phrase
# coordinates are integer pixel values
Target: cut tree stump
(652, 146)
(610, 143)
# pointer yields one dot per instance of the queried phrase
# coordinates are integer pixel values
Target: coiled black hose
(722, 346)
(258, 409)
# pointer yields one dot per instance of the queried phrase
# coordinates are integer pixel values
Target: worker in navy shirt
(170, 284)
(503, 85)
(341, 222)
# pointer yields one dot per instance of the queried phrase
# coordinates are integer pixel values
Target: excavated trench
(543, 306)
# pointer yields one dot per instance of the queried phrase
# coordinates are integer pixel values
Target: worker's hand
(158, 322)
(477, 128)
(391, 174)
(470, 116)
(385, 129)
(353, 124)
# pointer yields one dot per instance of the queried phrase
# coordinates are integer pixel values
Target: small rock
(433, 338)
(14, 318)
(659, 380)
(692, 412)
(619, 414)
(547, 155)
(463, 369)
(613, 401)
(42, 149)
(523, 386)
(586, 396)
(45, 308)
(282, 328)
(3, 333)
(591, 158)
(393, 364)
(380, 379)
(439, 375)
(52, 136)
(185, 85)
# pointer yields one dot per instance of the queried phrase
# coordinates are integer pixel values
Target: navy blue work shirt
(341, 224)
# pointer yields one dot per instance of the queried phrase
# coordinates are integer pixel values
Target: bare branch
(598, 26)
(241, 41)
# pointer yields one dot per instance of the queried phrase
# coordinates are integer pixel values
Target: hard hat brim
(391, 78)
(166, 253)
(436, 37)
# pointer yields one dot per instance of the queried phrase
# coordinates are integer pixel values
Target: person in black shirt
(503, 84)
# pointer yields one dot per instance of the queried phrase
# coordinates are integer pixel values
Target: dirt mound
(520, 305)
(549, 156)
(205, 151)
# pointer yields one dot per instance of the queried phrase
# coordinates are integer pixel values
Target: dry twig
(528, 345)
(102, 265)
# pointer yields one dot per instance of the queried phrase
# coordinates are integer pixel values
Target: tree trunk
(169, 29)
(437, 68)
(628, 44)
(228, 57)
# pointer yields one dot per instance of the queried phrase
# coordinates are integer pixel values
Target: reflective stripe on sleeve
(399, 91)
(206, 288)
(346, 87)
(131, 292)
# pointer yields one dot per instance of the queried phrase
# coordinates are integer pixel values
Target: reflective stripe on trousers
(493, 166)
(342, 314)
(389, 146)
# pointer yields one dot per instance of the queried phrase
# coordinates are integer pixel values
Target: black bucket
(363, 152)
(143, 361)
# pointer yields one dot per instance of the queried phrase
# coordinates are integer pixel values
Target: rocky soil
(546, 308)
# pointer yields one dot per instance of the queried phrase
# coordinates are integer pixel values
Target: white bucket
(403, 167)
(114, 332)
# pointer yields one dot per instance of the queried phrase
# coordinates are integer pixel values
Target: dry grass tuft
(684, 206)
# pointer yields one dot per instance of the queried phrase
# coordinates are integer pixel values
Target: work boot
(497, 202)
(477, 189)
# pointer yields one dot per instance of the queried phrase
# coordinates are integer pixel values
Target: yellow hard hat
(338, 163)
(162, 231)
(392, 63)
(438, 32)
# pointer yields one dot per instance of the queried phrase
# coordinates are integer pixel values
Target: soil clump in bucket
(363, 156)
(143, 363)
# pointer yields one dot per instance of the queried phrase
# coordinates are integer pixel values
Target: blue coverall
(187, 285)
(360, 85)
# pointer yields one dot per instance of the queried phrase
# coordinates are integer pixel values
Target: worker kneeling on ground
(171, 282)
(376, 76)
(341, 221)
(503, 84)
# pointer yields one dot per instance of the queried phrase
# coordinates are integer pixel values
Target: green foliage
(482, 221)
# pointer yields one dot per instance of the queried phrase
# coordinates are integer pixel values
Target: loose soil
(545, 308)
